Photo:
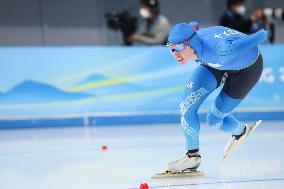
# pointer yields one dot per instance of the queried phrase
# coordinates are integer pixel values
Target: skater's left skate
(185, 166)
(235, 141)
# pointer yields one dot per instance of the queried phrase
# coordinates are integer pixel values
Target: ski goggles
(181, 46)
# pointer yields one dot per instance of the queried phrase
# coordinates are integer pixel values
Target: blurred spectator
(155, 28)
(263, 22)
(271, 14)
(234, 17)
(274, 13)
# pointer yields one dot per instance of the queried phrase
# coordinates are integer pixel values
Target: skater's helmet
(183, 34)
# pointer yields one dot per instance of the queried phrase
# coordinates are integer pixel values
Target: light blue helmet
(186, 31)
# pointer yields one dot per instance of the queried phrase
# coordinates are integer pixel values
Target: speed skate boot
(185, 164)
(236, 140)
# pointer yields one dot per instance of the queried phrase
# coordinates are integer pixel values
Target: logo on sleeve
(226, 33)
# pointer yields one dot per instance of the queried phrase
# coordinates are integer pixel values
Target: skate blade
(253, 127)
(256, 124)
(193, 173)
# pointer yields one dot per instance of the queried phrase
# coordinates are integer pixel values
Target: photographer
(155, 29)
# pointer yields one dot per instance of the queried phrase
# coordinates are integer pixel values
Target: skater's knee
(211, 119)
(215, 117)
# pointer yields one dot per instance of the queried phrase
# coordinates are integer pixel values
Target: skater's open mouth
(179, 58)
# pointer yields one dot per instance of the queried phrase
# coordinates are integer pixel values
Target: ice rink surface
(71, 158)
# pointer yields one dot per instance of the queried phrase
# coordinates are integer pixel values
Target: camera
(122, 21)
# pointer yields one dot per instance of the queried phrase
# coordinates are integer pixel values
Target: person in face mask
(235, 17)
(155, 29)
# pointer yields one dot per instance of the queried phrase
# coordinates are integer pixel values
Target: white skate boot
(186, 163)
(184, 167)
(234, 142)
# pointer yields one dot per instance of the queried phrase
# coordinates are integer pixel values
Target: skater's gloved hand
(264, 33)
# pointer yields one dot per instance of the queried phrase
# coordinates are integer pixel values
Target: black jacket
(236, 21)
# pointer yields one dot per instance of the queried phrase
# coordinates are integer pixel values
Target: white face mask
(144, 13)
(241, 9)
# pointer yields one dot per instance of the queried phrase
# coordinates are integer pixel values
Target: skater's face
(183, 52)
(184, 55)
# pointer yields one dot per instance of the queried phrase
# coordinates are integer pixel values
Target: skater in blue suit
(226, 58)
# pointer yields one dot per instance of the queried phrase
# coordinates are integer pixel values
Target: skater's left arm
(230, 47)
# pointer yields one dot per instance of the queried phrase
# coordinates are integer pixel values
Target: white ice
(71, 158)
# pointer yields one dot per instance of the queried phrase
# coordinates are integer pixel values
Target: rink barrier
(121, 119)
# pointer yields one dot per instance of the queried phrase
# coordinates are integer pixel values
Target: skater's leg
(235, 89)
(201, 84)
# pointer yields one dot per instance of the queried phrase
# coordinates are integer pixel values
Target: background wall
(82, 22)
(144, 84)
(53, 65)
